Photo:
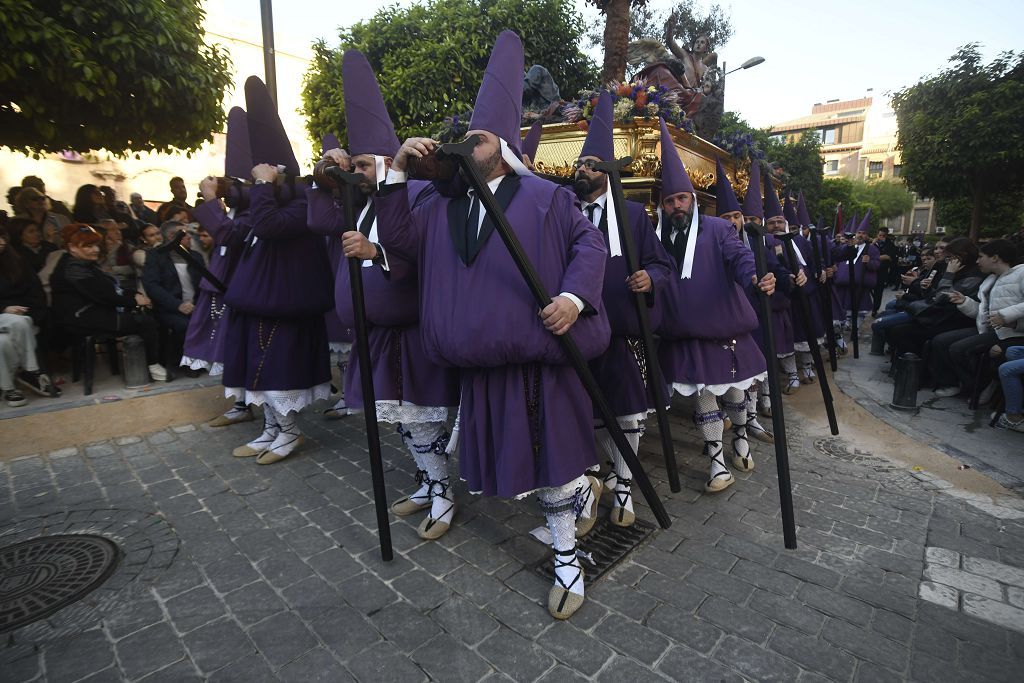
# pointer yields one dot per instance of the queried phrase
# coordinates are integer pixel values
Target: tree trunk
(977, 210)
(616, 39)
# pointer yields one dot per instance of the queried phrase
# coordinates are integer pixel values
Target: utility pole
(269, 68)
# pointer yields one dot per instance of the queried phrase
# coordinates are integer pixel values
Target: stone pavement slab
(239, 572)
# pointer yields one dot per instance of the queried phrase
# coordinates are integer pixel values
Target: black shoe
(39, 383)
(15, 398)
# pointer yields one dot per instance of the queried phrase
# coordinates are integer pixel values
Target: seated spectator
(87, 301)
(12, 198)
(1011, 376)
(205, 244)
(172, 283)
(115, 255)
(940, 314)
(142, 212)
(895, 311)
(150, 238)
(121, 214)
(998, 314)
(90, 205)
(33, 204)
(22, 307)
(27, 240)
(56, 206)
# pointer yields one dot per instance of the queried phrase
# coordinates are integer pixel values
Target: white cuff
(575, 299)
(395, 177)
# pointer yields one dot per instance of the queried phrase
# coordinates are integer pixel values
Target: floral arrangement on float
(630, 101)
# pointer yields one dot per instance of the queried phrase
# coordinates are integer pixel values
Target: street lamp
(753, 61)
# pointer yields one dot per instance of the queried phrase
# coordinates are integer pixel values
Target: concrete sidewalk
(235, 572)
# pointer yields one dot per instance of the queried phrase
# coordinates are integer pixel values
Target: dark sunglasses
(580, 163)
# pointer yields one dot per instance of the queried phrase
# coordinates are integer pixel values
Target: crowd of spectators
(960, 307)
(102, 268)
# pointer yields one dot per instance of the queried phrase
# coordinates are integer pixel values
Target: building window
(828, 136)
(832, 166)
(897, 170)
(874, 169)
(920, 220)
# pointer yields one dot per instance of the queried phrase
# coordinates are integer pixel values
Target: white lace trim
(717, 389)
(394, 412)
(340, 347)
(200, 364)
(637, 417)
(804, 347)
(287, 401)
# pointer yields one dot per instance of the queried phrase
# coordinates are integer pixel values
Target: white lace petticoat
(214, 368)
(283, 401)
(717, 389)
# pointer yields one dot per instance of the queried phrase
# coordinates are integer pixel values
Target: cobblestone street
(234, 572)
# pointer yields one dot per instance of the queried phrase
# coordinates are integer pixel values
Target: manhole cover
(603, 548)
(42, 575)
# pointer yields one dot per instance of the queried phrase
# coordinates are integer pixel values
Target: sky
(814, 50)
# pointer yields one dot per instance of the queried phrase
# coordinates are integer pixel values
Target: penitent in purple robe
(866, 278)
(707, 321)
(782, 311)
(276, 341)
(204, 340)
(526, 421)
(338, 335)
(407, 386)
(618, 370)
(811, 291)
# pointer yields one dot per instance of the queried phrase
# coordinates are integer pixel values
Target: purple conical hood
(865, 223)
(752, 205)
(599, 135)
(802, 216)
(237, 155)
(674, 178)
(370, 130)
(772, 208)
(267, 139)
(532, 140)
(329, 141)
(850, 225)
(499, 102)
(789, 211)
(725, 198)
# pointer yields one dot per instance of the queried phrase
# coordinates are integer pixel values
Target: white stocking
(289, 437)
(560, 506)
(708, 419)
(270, 431)
(427, 442)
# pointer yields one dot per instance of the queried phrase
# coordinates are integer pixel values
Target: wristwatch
(261, 181)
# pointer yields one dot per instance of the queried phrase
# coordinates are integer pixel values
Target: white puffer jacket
(1003, 295)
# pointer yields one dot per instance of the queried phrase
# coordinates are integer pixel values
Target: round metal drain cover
(42, 575)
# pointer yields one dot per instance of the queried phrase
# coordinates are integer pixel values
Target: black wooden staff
(817, 236)
(755, 234)
(355, 273)
(812, 341)
(655, 383)
(855, 301)
(462, 152)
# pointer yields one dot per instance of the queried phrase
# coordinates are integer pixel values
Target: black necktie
(473, 227)
(591, 208)
(679, 245)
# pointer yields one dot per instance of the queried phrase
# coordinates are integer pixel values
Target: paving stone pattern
(274, 573)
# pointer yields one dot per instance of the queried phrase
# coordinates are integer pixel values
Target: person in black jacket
(22, 306)
(172, 283)
(88, 301)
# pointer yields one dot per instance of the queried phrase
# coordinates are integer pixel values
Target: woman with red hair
(88, 301)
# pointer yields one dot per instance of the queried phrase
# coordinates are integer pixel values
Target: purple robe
(401, 371)
(276, 339)
(337, 332)
(782, 305)
(707, 320)
(204, 339)
(812, 292)
(526, 421)
(617, 370)
(866, 278)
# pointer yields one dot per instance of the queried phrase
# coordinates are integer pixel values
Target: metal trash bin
(877, 343)
(908, 376)
(133, 361)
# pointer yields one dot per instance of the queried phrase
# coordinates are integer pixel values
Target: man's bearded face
(678, 206)
(776, 224)
(365, 165)
(734, 217)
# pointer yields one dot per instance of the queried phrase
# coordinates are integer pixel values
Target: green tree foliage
(1004, 214)
(885, 199)
(960, 131)
(687, 22)
(430, 58)
(115, 75)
